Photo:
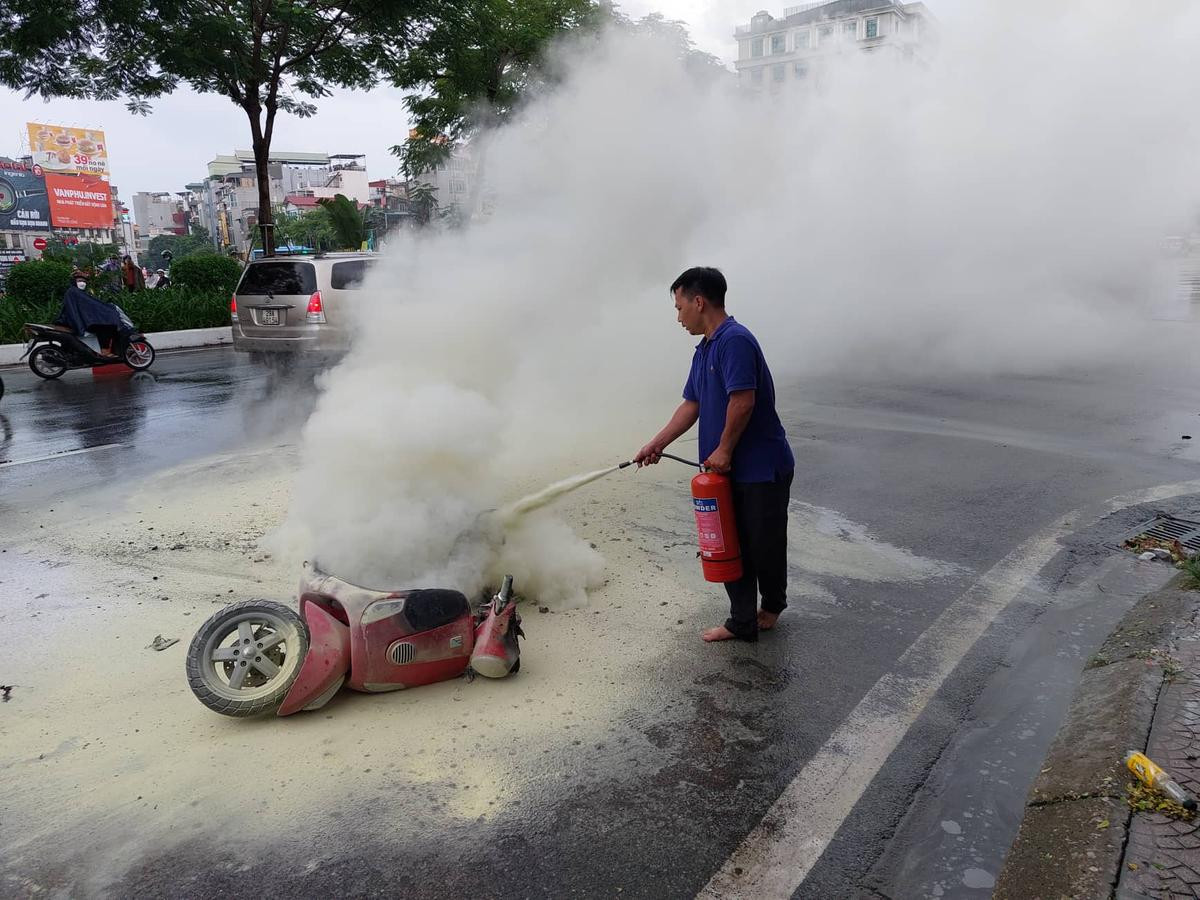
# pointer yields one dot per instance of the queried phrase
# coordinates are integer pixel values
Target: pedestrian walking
(731, 392)
(131, 275)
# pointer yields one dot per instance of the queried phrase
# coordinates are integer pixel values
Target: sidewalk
(1079, 837)
(1166, 851)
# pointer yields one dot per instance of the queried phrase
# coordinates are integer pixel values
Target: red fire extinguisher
(712, 500)
(720, 553)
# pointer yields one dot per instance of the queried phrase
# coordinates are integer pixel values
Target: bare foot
(720, 633)
(767, 620)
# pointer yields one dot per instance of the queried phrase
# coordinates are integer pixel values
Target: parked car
(298, 304)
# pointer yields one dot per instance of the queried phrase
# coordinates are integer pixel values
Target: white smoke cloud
(998, 210)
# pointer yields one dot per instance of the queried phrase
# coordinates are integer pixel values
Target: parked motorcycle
(258, 657)
(53, 349)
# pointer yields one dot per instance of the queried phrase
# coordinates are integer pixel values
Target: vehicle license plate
(270, 316)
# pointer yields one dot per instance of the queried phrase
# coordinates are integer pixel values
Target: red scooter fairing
(398, 639)
(325, 665)
(497, 652)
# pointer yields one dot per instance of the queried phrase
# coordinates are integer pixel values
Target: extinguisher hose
(686, 462)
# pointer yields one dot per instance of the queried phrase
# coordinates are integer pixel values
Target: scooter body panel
(388, 655)
(325, 664)
(496, 649)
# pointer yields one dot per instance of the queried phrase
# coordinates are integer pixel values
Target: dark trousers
(761, 511)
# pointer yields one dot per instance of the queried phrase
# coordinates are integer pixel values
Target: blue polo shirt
(731, 360)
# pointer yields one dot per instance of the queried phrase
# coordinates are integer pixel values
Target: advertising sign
(79, 201)
(57, 148)
(24, 204)
(8, 259)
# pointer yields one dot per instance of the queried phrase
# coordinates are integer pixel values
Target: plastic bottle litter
(1152, 776)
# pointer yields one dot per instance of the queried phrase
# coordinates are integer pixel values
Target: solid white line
(22, 462)
(775, 858)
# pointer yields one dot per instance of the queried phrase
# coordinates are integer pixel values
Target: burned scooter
(258, 657)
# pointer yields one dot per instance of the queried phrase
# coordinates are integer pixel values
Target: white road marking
(22, 462)
(775, 858)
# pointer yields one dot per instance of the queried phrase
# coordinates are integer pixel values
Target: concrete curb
(10, 354)
(1072, 838)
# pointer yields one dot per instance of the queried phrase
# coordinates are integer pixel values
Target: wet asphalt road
(79, 432)
(957, 470)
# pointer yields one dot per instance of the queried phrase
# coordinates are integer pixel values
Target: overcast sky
(172, 146)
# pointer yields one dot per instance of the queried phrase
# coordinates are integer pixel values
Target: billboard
(79, 201)
(68, 151)
(24, 204)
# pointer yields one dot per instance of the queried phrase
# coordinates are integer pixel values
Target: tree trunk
(266, 224)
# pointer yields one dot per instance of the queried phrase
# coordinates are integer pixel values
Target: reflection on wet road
(81, 431)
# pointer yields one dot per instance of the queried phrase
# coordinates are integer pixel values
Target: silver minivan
(297, 304)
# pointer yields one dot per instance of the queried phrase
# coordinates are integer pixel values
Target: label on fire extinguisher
(708, 524)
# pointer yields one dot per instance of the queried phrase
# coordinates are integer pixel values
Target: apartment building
(773, 52)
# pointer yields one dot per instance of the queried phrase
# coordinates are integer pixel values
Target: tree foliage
(38, 281)
(266, 56)
(207, 272)
(474, 63)
(674, 34)
(348, 222)
(422, 199)
(85, 255)
(180, 246)
(311, 228)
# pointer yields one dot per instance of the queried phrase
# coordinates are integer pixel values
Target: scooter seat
(423, 608)
(433, 607)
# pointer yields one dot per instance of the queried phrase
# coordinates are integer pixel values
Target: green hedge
(38, 281)
(207, 272)
(170, 309)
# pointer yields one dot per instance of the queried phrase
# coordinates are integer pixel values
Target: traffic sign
(39, 243)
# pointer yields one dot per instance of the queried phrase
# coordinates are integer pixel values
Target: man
(731, 392)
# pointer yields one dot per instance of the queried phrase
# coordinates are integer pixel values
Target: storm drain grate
(1168, 528)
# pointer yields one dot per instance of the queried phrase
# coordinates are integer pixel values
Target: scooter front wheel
(139, 355)
(244, 660)
(47, 361)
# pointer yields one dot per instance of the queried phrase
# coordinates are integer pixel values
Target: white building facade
(774, 52)
(226, 203)
(158, 212)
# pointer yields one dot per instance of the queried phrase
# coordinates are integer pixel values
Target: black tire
(139, 355)
(214, 658)
(1, 388)
(47, 361)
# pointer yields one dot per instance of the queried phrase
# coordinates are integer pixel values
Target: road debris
(1147, 548)
(1152, 776)
(161, 643)
(1144, 799)
(6, 691)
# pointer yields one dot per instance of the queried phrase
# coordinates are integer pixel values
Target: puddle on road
(822, 543)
